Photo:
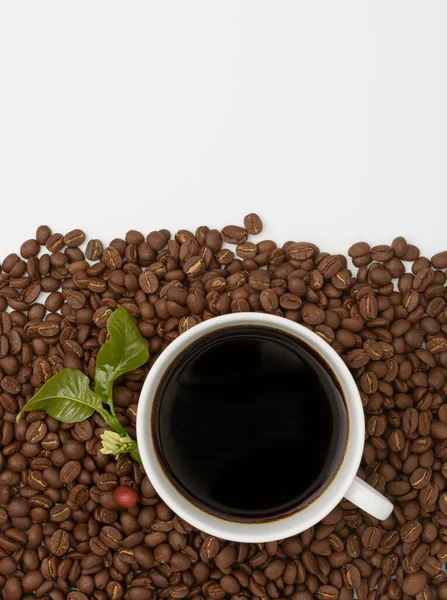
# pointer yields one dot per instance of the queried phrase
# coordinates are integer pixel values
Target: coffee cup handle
(368, 499)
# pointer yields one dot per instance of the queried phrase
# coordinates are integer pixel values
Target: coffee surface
(249, 423)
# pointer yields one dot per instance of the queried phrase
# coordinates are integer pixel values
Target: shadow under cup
(249, 423)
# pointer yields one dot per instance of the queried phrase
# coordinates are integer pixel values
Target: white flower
(116, 444)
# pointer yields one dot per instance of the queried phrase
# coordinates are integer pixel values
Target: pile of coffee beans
(62, 534)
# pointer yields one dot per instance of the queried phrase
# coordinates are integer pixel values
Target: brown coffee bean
(329, 266)
(351, 576)
(439, 430)
(209, 549)
(60, 513)
(48, 328)
(18, 507)
(60, 542)
(269, 300)
(411, 253)
(76, 596)
(101, 316)
(396, 440)
(52, 476)
(437, 344)
(359, 249)
(233, 234)
(371, 538)
(97, 546)
(410, 419)
(275, 569)
(55, 242)
(369, 383)
(439, 260)
(110, 537)
(94, 250)
(156, 240)
(420, 478)
(432, 565)
(226, 557)
(414, 582)
(107, 481)
(312, 315)
(148, 282)
(253, 224)
(368, 307)
(31, 292)
(411, 531)
(73, 450)
(194, 266)
(290, 301)
(358, 358)
(74, 238)
(70, 471)
(36, 432)
(302, 250)
(423, 279)
(327, 592)
(30, 248)
(43, 232)
(112, 258)
(13, 588)
(246, 250)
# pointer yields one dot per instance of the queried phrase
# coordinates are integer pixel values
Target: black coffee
(249, 424)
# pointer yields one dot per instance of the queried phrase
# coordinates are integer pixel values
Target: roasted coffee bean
(269, 300)
(59, 543)
(43, 232)
(253, 224)
(70, 471)
(351, 576)
(107, 481)
(327, 592)
(112, 258)
(302, 250)
(234, 234)
(74, 238)
(110, 537)
(358, 358)
(411, 531)
(94, 250)
(193, 267)
(420, 478)
(36, 432)
(312, 314)
(359, 249)
(329, 266)
(30, 248)
(368, 307)
(156, 240)
(414, 582)
(371, 538)
(439, 260)
(60, 513)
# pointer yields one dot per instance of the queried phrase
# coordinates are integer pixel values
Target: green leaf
(67, 397)
(124, 351)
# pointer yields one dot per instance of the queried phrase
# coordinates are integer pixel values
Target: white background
(327, 118)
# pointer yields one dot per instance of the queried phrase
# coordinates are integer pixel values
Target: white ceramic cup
(344, 483)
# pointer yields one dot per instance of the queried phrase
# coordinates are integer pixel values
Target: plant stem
(135, 454)
(113, 422)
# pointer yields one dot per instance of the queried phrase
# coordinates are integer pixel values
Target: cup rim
(281, 527)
